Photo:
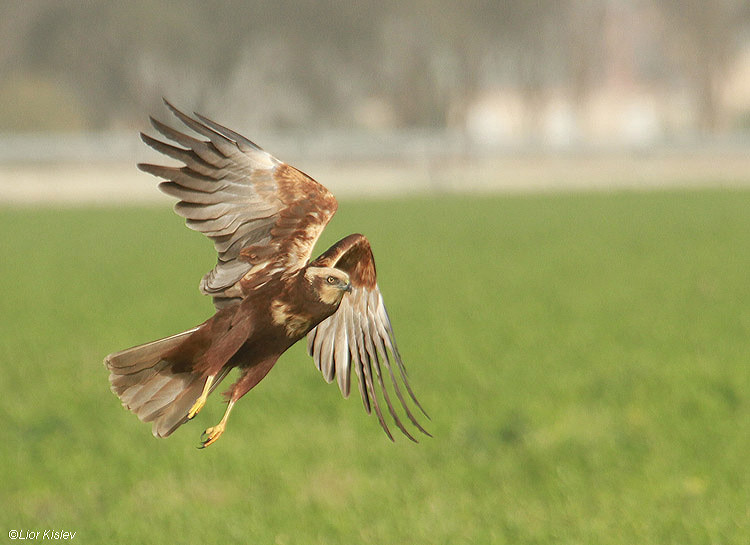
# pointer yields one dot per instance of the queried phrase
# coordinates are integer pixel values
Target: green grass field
(585, 360)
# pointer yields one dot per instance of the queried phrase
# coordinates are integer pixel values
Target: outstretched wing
(261, 214)
(359, 335)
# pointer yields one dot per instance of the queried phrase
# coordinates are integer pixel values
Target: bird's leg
(249, 378)
(213, 433)
(201, 401)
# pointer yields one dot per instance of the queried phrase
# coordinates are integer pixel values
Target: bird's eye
(331, 279)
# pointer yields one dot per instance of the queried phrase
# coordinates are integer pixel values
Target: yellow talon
(201, 401)
(213, 433)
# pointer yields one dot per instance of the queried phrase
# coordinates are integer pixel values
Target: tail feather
(136, 387)
(155, 407)
(147, 384)
(174, 414)
(138, 358)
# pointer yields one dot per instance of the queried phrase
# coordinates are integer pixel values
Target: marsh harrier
(264, 218)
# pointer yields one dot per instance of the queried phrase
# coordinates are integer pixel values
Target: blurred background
(436, 94)
(583, 353)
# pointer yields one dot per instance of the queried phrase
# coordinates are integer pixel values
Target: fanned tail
(151, 387)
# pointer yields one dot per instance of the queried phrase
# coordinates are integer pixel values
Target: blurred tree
(32, 103)
(300, 62)
(18, 17)
(705, 38)
(583, 47)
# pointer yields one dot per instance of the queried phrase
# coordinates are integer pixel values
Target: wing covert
(359, 335)
(261, 214)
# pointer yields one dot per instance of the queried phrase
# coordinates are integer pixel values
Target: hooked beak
(348, 288)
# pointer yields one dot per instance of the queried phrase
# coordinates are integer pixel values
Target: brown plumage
(264, 218)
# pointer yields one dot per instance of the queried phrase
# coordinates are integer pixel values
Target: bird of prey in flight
(264, 218)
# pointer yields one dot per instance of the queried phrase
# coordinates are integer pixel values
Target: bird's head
(328, 283)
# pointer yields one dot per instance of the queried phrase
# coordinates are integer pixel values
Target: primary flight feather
(264, 218)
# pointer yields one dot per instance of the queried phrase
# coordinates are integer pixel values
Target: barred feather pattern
(261, 214)
(359, 335)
